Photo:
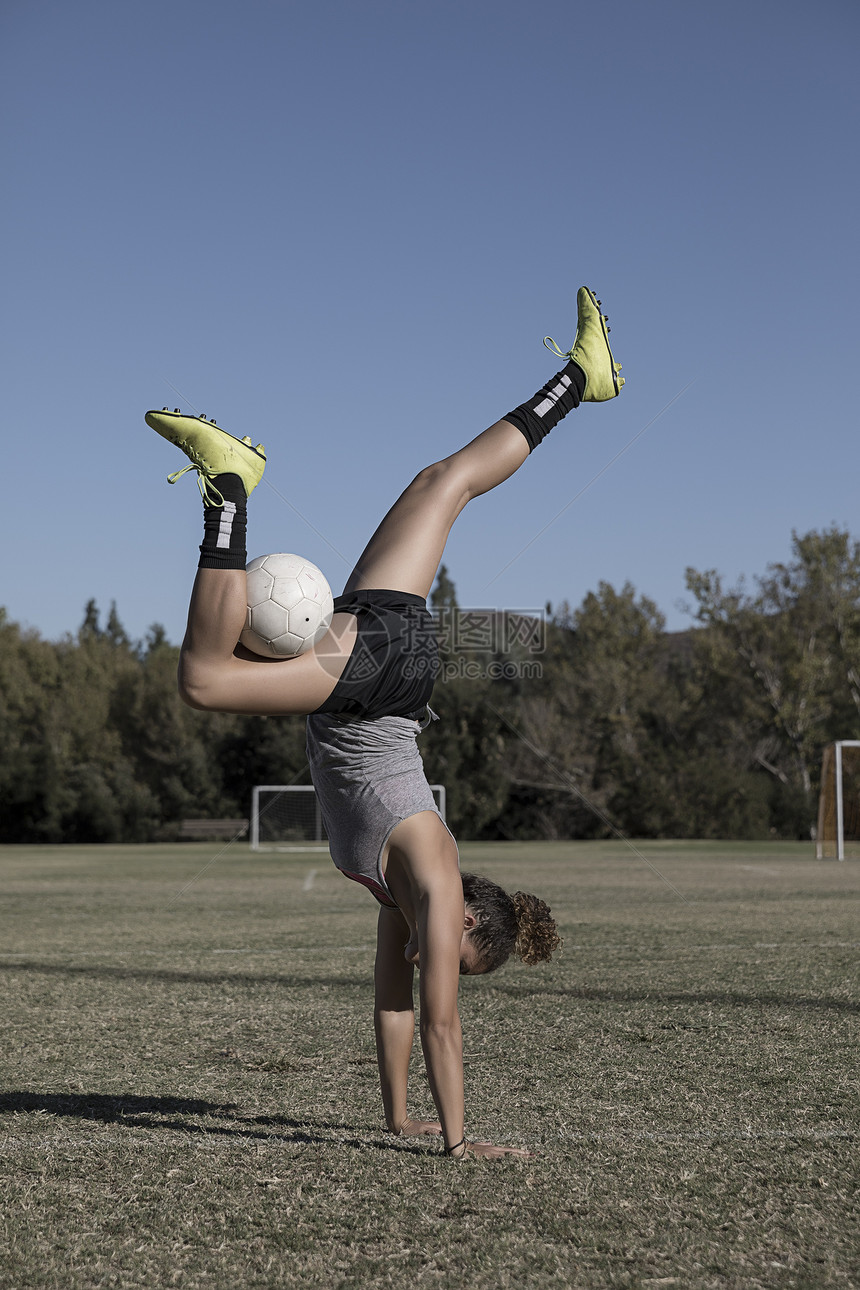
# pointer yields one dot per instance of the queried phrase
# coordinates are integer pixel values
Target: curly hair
(518, 924)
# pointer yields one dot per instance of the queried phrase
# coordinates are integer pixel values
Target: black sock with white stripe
(225, 527)
(558, 397)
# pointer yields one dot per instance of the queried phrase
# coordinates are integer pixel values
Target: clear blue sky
(345, 226)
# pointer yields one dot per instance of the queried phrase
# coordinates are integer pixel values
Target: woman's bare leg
(404, 552)
(402, 555)
(217, 674)
(215, 671)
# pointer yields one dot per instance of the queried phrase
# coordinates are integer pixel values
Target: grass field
(188, 1093)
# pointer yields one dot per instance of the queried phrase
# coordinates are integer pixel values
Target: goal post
(287, 817)
(838, 831)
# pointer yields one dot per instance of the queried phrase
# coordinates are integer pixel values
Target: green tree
(605, 732)
(175, 749)
(444, 593)
(465, 749)
(787, 655)
(262, 750)
(90, 628)
(114, 630)
(27, 679)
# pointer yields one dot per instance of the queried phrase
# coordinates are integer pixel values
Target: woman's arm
(428, 852)
(394, 1023)
(440, 930)
(423, 869)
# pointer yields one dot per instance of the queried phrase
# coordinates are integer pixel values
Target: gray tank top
(368, 776)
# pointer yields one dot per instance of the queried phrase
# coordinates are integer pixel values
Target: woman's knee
(194, 687)
(447, 478)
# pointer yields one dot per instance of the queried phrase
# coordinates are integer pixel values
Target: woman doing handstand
(365, 688)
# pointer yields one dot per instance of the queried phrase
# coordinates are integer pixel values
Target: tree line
(591, 720)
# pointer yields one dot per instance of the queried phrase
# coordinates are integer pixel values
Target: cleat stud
(261, 450)
(164, 409)
(176, 410)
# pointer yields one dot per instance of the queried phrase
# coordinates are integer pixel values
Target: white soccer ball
(289, 606)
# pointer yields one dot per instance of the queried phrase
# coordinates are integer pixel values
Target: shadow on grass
(592, 993)
(179, 1115)
(754, 999)
(117, 973)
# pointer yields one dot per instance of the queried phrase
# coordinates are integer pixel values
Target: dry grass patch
(188, 1093)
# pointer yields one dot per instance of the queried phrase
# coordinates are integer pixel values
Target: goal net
(287, 817)
(838, 833)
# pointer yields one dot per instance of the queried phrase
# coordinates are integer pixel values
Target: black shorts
(395, 660)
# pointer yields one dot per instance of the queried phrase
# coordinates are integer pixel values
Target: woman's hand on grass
(488, 1151)
(419, 1128)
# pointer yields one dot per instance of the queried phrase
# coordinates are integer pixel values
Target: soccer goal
(839, 803)
(287, 817)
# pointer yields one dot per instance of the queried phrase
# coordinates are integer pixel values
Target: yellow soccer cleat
(591, 350)
(212, 451)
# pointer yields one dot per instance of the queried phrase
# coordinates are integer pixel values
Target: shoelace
(550, 344)
(210, 494)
